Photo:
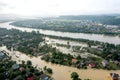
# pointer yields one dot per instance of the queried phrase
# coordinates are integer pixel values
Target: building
(113, 76)
(44, 77)
(74, 60)
(15, 66)
(92, 65)
(104, 63)
(1, 55)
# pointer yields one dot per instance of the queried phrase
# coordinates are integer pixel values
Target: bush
(49, 70)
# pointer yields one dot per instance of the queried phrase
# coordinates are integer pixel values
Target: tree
(32, 70)
(75, 76)
(29, 62)
(68, 42)
(49, 70)
(14, 74)
(45, 67)
(23, 62)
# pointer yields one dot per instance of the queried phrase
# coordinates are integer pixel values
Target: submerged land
(73, 56)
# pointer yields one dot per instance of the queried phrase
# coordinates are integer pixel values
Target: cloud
(2, 5)
(59, 7)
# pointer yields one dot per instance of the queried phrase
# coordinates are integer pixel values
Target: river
(95, 37)
(61, 72)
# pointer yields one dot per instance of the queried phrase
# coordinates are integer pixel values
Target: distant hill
(10, 17)
(113, 19)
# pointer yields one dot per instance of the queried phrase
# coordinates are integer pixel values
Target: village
(50, 51)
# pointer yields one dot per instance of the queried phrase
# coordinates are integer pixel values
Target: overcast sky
(59, 7)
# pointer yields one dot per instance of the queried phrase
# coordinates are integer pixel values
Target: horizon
(59, 7)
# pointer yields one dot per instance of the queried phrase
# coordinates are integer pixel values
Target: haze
(59, 7)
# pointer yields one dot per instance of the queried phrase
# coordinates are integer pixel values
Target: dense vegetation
(58, 58)
(22, 41)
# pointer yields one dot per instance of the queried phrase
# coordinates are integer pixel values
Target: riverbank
(58, 70)
(69, 25)
(94, 37)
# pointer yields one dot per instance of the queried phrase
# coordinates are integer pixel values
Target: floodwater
(95, 37)
(65, 50)
(61, 72)
(64, 72)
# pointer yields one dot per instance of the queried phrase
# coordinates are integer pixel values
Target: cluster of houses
(18, 68)
(89, 64)
(30, 76)
(111, 76)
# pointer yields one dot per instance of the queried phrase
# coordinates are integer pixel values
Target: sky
(59, 7)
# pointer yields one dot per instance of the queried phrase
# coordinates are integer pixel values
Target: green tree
(49, 70)
(29, 62)
(75, 76)
(45, 67)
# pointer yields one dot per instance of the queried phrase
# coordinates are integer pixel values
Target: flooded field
(66, 50)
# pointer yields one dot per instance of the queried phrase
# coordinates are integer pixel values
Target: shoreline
(93, 37)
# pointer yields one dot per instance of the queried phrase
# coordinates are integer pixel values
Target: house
(30, 76)
(104, 63)
(6, 74)
(44, 77)
(117, 62)
(1, 55)
(15, 66)
(92, 65)
(110, 55)
(74, 60)
(21, 69)
(65, 59)
(100, 48)
(81, 65)
(97, 47)
(113, 76)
